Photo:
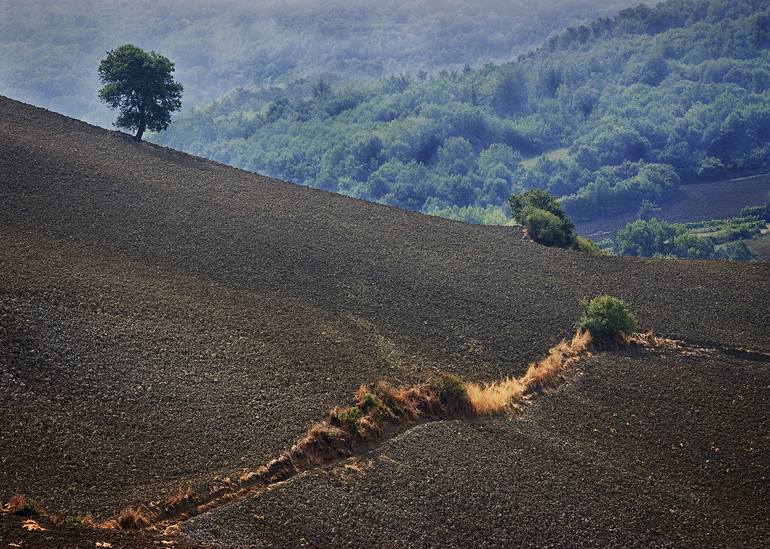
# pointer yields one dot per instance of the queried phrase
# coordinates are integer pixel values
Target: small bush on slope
(588, 246)
(544, 227)
(451, 391)
(349, 417)
(544, 218)
(606, 318)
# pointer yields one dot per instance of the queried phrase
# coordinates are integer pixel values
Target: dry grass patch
(547, 371)
(493, 398)
(182, 496)
(22, 506)
(381, 410)
(132, 519)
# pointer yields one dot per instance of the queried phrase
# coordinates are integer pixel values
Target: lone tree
(141, 85)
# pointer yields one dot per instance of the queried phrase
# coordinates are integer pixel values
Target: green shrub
(349, 417)
(606, 317)
(451, 391)
(544, 218)
(535, 198)
(545, 228)
(369, 402)
(588, 246)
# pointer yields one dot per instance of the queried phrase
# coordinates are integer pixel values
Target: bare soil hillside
(166, 319)
(647, 450)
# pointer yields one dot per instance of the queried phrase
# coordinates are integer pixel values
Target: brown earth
(165, 319)
(640, 450)
(692, 202)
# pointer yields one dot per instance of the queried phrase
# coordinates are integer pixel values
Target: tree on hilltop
(141, 86)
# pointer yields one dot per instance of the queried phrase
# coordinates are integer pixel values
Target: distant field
(761, 246)
(555, 154)
(696, 202)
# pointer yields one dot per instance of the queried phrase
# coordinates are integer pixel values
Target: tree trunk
(140, 131)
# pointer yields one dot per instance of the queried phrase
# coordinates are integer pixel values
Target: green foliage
(735, 251)
(659, 238)
(537, 199)
(544, 218)
(606, 317)
(547, 229)
(760, 212)
(141, 86)
(588, 246)
(452, 392)
(349, 417)
(644, 102)
(647, 210)
(369, 402)
(617, 189)
(699, 240)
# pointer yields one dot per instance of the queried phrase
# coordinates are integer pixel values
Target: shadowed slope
(165, 318)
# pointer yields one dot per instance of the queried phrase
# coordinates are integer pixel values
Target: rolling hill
(165, 319)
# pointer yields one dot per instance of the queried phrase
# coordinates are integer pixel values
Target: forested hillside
(606, 115)
(50, 50)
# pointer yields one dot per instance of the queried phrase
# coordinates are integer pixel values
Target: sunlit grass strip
(380, 411)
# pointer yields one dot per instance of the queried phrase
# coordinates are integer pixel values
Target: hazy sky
(50, 49)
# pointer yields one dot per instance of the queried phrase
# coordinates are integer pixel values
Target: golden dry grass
(15, 504)
(32, 526)
(381, 409)
(493, 398)
(650, 341)
(182, 496)
(541, 374)
(497, 396)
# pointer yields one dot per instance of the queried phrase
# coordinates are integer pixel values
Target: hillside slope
(165, 318)
(684, 466)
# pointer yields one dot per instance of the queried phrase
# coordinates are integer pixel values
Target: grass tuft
(21, 506)
(132, 519)
(366, 400)
(348, 417)
(81, 520)
(545, 372)
(493, 398)
(184, 496)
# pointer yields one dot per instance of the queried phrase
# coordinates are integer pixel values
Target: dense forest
(50, 50)
(605, 115)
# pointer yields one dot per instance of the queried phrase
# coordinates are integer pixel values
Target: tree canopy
(544, 218)
(604, 116)
(141, 86)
